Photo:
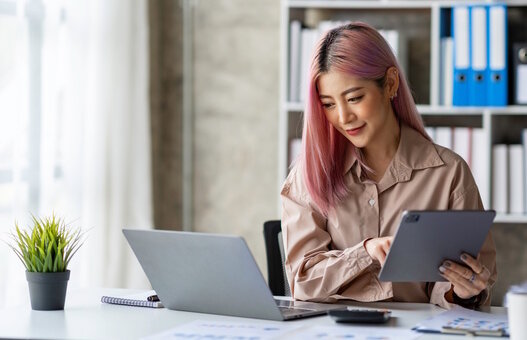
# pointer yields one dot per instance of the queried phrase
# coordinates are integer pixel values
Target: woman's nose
(345, 115)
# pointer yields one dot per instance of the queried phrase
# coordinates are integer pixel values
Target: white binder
(478, 54)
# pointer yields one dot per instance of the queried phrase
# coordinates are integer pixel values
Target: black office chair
(275, 258)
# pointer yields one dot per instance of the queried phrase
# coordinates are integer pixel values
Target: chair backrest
(275, 258)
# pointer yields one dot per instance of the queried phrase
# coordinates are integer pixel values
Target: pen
(152, 298)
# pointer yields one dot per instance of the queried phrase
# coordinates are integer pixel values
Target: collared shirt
(325, 257)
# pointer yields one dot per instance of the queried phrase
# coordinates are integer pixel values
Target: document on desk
(355, 333)
(460, 320)
(203, 329)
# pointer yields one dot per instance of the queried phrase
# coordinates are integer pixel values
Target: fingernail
(464, 257)
(442, 269)
(446, 264)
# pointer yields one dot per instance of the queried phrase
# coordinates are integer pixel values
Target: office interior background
(153, 114)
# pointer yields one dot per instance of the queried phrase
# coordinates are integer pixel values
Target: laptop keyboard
(291, 307)
(293, 310)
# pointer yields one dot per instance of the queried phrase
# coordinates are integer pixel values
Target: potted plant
(46, 249)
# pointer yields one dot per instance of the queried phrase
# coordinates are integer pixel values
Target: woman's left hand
(469, 280)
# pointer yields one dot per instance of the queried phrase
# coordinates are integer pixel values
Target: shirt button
(372, 202)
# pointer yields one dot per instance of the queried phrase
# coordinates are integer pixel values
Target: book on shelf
(447, 71)
(462, 143)
(294, 56)
(443, 136)
(295, 148)
(136, 300)
(481, 165)
(524, 142)
(399, 45)
(467, 142)
(499, 181)
(516, 179)
(431, 132)
(519, 57)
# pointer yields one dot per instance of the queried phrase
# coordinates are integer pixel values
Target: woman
(366, 158)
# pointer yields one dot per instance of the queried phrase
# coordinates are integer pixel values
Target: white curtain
(94, 144)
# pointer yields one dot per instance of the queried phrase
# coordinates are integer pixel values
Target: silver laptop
(208, 273)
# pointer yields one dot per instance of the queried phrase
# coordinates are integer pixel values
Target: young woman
(366, 158)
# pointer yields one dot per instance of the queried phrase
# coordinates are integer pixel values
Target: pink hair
(359, 50)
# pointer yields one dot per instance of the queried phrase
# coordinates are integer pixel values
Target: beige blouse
(326, 259)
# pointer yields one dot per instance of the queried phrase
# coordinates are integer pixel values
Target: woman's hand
(469, 280)
(378, 247)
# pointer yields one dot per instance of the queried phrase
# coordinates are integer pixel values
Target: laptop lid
(208, 273)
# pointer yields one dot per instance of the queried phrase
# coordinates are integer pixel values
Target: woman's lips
(355, 131)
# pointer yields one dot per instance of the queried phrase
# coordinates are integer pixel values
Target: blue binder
(478, 71)
(461, 35)
(497, 56)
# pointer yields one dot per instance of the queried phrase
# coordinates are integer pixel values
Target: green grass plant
(48, 245)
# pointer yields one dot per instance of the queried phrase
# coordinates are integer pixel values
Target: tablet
(427, 238)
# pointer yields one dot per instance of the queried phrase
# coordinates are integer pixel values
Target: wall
(511, 257)
(236, 87)
(166, 92)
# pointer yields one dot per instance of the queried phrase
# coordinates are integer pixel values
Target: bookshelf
(420, 23)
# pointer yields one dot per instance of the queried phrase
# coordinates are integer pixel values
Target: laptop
(211, 273)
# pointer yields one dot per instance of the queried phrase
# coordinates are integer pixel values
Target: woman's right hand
(378, 247)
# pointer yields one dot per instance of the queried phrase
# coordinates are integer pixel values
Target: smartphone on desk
(360, 315)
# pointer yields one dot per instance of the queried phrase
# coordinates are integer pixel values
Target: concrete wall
(166, 93)
(236, 87)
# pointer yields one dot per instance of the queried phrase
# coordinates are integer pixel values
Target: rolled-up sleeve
(314, 271)
(465, 196)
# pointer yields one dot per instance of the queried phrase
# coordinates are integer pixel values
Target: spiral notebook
(136, 300)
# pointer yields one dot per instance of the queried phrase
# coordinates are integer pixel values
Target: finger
(473, 263)
(459, 288)
(459, 269)
(461, 282)
(471, 277)
(382, 254)
(386, 247)
(485, 274)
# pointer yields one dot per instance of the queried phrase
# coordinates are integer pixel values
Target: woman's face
(357, 108)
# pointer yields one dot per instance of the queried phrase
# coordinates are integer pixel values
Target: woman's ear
(392, 82)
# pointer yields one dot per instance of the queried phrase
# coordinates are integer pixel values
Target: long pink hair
(358, 50)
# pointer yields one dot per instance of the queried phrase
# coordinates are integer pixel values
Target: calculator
(360, 315)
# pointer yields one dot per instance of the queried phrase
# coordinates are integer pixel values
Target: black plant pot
(47, 291)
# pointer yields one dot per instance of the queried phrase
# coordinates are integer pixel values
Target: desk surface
(85, 317)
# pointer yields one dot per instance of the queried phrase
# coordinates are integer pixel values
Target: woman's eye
(327, 105)
(355, 99)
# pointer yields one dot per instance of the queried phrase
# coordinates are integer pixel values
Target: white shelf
(509, 218)
(289, 106)
(390, 4)
(446, 110)
(367, 4)
(456, 110)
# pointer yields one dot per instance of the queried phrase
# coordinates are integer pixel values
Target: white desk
(85, 317)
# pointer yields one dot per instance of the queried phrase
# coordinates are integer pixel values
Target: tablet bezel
(426, 238)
